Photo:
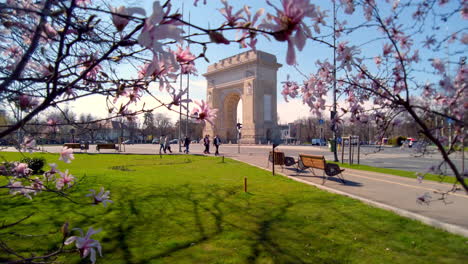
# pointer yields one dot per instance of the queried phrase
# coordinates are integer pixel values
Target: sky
(287, 112)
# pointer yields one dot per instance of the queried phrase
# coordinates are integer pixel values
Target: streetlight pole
(333, 115)
(180, 113)
(188, 88)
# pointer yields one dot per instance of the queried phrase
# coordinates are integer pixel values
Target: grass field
(192, 209)
(401, 173)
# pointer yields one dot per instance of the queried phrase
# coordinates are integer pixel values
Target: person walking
(162, 145)
(216, 143)
(167, 144)
(186, 144)
(206, 142)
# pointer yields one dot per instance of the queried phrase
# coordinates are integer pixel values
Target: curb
(454, 229)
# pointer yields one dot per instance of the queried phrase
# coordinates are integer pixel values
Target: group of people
(165, 144)
(216, 143)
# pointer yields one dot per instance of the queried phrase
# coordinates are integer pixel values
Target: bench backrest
(313, 161)
(72, 145)
(279, 157)
(106, 146)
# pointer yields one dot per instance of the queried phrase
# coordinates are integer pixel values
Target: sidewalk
(389, 192)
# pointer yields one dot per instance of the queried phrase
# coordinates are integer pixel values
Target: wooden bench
(106, 146)
(80, 146)
(279, 159)
(312, 162)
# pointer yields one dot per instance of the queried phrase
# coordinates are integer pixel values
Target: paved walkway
(390, 192)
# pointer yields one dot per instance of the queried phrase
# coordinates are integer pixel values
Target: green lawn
(192, 209)
(402, 173)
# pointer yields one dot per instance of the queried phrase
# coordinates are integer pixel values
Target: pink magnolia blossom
(120, 15)
(204, 112)
(29, 144)
(13, 51)
(66, 155)
(183, 55)
(49, 32)
(231, 19)
(65, 179)
(161, 68)
(87, 64)
(378, 60)
(346, 55)
(18, 188)
(85, 244)
(158, 27)
(186, 60)
(53, 170)
(340, 27)
(101, 197)
(438, 65)
(464, 10)
(288, 22)
(37, 185)
(387, 49)
(26, 102)
(290, 89)
(52, 122)
(464, 38)
(22, 170)
(83, 3)
(349, 6)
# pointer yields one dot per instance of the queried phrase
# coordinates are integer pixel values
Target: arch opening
(231, 117)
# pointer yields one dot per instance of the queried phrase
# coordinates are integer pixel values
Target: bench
(77, 146)
(279, 159)
(312, 162)
(106, 146)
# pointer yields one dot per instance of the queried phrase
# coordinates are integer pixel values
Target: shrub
(35, 164)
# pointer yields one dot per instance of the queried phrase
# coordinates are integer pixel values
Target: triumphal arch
(250, 76)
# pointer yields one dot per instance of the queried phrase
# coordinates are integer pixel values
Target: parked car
(155, 141)
(100, 141)
(128, 141)
(318, 142)
(174, 141)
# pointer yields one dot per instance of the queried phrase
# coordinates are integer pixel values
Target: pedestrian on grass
(186, 144)
(206, 142)
(216, 143)
(162, 145)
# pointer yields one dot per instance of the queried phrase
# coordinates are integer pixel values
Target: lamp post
(333, 113)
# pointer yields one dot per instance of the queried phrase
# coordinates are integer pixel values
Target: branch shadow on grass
(201, 218)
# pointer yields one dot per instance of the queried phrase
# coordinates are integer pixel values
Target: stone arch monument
(250, 76)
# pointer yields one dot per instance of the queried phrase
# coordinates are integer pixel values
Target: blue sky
(205, 15)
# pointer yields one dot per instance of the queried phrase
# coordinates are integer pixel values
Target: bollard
(245, 184)
(223, 159)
